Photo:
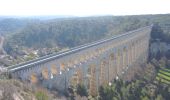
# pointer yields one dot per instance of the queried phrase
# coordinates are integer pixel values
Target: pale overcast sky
(83, 7)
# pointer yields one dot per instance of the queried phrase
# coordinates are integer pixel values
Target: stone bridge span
(92, 64)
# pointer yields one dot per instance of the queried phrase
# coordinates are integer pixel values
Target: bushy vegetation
(135, 90)
(15, 90)
(41, 95)
(150, 84)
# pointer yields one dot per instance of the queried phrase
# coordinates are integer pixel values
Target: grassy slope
(163, 75)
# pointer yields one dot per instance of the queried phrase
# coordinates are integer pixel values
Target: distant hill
(11, 25)
(70, 32)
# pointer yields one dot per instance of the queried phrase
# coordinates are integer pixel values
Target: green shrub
(40, 95)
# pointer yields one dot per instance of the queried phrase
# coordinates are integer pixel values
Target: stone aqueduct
(92, 64)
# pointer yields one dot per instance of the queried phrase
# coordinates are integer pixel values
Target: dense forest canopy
(70, 32)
